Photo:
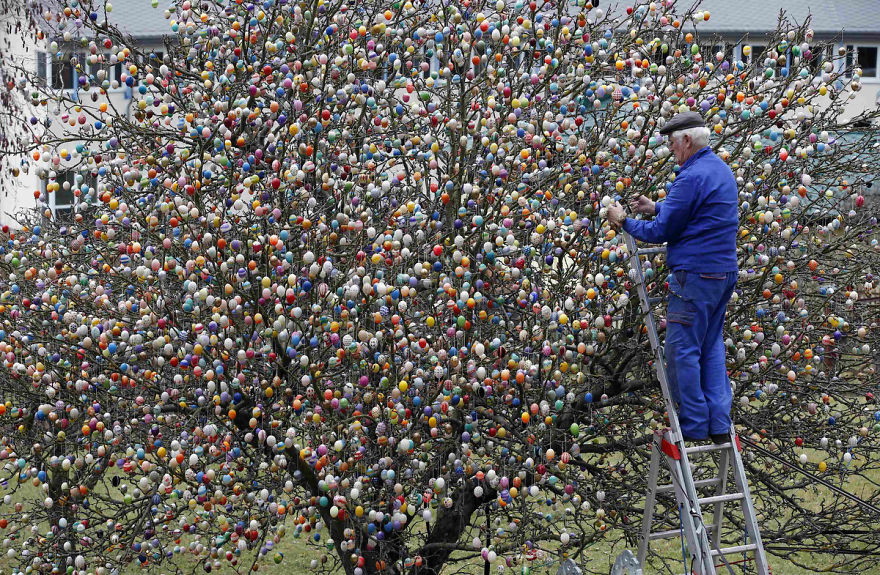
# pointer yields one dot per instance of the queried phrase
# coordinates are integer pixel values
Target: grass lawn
(597, 558)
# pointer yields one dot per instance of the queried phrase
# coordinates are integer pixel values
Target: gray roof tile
(829, 17)
(134, 17)
(728, 17)
(139, 18)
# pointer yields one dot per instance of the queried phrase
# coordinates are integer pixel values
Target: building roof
(139, 19)
(134, 17)
(829, 17)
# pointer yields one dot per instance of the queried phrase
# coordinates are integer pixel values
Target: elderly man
(698, 221)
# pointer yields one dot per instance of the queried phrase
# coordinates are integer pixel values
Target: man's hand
(616, 215)
(642, 205)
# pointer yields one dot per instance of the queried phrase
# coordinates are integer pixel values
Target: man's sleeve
(670, 221)
(657, 207)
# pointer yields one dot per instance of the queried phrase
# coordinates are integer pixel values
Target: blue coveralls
(699, 221)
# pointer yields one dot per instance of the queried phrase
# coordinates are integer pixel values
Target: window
(59, 74)
(91, 72)
(480, 67)
(42, 68)
(152, 59)
(63, 199)
(755, 55)
(658, 56)
(63, 73)
(726, 51)
(864, 57)
(433, 62)
(537, 60)
(818, 56)
(117, 73)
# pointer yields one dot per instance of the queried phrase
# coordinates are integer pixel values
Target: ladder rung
(707, 448)
(665, 534)
(737, 549)
(697, 484)
(721, 498)
(654, 250)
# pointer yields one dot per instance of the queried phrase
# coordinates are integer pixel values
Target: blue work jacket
(699, 218)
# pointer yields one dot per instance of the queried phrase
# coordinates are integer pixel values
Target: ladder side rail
(718, 517)
(699, 538)
(748, 509)
(650, 502)
(694, 530)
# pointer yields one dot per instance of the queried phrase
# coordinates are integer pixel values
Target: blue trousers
(695, 350)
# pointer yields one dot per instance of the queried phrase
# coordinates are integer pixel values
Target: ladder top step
(708, 448)
(737, 549)
(652, 250)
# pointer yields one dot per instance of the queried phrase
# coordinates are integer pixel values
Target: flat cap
(682, 121)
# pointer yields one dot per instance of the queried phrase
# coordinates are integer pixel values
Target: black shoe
(720, 438)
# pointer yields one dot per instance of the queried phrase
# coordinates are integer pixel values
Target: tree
(345, 273)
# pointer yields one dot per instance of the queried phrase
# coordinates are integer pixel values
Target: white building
(853, 25)
(845, 24)
(146, 25)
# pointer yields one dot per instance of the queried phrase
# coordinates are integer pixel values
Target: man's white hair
(699, 135)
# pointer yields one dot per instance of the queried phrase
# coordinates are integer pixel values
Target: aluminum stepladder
(703, 541)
